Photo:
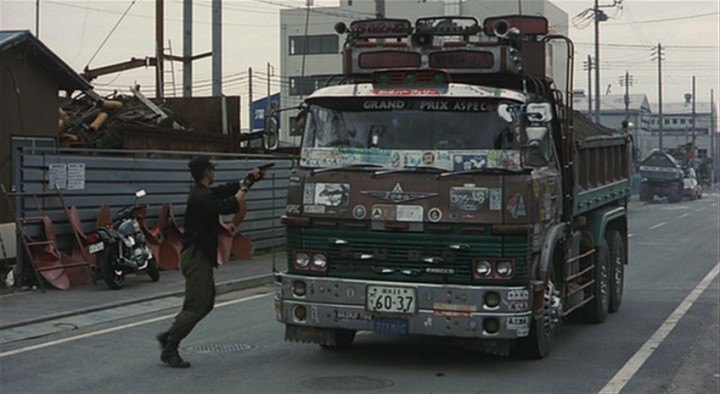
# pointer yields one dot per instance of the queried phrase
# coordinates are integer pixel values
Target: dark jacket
(202, 224)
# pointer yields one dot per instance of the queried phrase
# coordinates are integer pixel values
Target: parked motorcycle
(123, 248)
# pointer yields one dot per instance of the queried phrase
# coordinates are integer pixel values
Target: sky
(76, 30)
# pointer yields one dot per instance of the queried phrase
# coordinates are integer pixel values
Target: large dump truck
(446, 187)
(662, 176)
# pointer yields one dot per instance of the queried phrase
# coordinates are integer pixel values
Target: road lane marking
(118, 328)
(700, 209)
(653, 227)
(623, 376)
(684, 215)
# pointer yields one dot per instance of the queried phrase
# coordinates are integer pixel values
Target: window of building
(314, 45)
(666, 121)
(301, 86)
(682, 121)
(674, 121)
(702, 153)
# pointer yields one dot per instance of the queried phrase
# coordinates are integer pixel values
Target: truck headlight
(302, 259)
(483, 268)
(505, 269)
(319, 260)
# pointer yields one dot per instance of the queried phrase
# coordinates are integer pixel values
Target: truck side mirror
(539, 112)
(536, 152)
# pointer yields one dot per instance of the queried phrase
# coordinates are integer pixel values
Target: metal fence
(91, 178)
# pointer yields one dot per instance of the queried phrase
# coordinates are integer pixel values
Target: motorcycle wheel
(112, 277)
(152, 270)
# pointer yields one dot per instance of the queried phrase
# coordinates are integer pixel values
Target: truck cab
(432, 191)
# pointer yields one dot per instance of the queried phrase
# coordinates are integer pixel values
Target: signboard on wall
(70, 176)
(260, 109)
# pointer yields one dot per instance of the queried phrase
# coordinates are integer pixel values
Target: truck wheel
(617, 269)
(343, 339)
(596, 310)
(542, 326)
(645, 195)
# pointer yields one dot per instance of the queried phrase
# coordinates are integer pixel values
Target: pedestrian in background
(200, 244)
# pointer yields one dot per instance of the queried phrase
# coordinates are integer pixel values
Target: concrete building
(612, 115)
(311, 50)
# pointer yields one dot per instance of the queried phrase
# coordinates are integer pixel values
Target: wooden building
(31, 78)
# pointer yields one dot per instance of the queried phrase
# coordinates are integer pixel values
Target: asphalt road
(665, 338)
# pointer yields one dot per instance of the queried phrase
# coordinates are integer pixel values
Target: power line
(111, 31)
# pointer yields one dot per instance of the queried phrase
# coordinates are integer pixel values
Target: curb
(220, 288)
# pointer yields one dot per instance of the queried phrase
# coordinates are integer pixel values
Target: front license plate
(391, 326)
(391, 299)
(94, 248)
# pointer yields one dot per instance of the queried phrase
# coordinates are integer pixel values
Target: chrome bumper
(442, 310)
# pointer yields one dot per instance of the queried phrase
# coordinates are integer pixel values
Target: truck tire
(616, 246)
(675, 195)
(538, 343)
(343, 339)
(596, 310)
(645, 194)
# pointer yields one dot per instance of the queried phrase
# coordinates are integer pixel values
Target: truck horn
(502, 29)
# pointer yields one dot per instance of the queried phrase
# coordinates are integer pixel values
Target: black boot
(163, 339)
(171, 357)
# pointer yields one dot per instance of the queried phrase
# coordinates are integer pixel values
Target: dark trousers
(199, 293)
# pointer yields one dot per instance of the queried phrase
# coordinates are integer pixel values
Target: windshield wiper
(475, 171)
(344, 168)
(435, 170)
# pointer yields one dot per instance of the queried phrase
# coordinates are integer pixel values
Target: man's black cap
(200, 164)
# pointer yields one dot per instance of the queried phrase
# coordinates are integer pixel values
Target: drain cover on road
(220, 348)
(347, 383)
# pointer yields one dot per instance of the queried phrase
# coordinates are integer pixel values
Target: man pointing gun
(200, 243)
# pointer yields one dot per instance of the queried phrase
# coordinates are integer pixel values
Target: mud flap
(320, 336)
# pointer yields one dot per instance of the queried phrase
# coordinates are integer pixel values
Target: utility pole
(159, 52)
(627, 81)
(660, 55)
(306, 42)
(380, 8)
(187, 48)
(217, 48)
(251, 117)
(597, 60)
(713, 154)
(37, 19)
(588, 65)
(694, 133)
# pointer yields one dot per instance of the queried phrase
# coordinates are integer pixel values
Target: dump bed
(602, 164)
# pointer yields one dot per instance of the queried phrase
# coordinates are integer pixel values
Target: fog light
(492, 299)
(319, 261)
(491, 325)
(483, 268)
(299, 288)
(299, 312)
(302, 259)
(505, 269)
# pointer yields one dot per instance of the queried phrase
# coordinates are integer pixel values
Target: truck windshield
(371, 130)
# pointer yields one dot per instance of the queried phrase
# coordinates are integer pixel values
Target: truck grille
(398, 256)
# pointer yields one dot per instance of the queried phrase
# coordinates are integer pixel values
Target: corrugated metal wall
(112, 177)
